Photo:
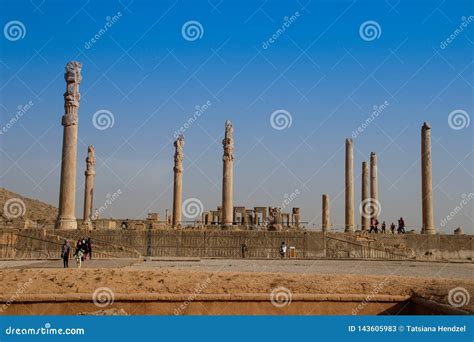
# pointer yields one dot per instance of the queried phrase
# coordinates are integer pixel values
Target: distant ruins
(226, 216)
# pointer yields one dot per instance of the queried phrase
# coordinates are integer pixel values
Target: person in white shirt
(282, 250)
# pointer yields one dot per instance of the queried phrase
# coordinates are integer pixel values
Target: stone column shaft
(374, 186)
(178, 181)
(326, 213)
(67, 190)
(349, 200)
(89, 187)
(365, 220)
(227, 177)
(426, 181)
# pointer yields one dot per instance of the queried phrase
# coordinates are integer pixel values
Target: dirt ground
(167, 281)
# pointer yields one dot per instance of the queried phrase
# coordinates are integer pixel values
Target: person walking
(243, 249)
(282, 249)
(374, 225)
(65, 251)
(84, 249)
(401, 226)
(392, 228)
(79, 253)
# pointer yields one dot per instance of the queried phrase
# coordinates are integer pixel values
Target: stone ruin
(227, 215)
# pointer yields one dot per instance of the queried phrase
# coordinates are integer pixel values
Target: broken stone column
(349, 213)
(67, 190)
(426, 181)
(374, 187)
(227, 177)
(365, 219)
(296, 217)
(178, 181)
(89, 188)
(326, 213)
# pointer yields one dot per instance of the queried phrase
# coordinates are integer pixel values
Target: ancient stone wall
(119, 243)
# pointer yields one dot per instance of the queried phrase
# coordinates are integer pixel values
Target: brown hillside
(33, 209)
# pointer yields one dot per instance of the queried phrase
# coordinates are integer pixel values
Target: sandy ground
(141, 278)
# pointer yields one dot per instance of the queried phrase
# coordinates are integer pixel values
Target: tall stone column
(227, 178)
(365, 219)
(426, 181)
(89, 187)
(326, 213)
(67, 191)
(178, 181)
(349, 225)
(374, 187)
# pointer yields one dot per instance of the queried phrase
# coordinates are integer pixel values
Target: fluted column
(67, 191)
(365, 219)
(178, 181)
(374, 187)
(227, 177)
(426, 181)
(349, 210)
(89, 187)
(326, 213)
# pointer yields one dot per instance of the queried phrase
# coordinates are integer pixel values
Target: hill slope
(32, 209)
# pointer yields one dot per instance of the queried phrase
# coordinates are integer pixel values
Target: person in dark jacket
(89, 247)
(243, 249)
(65, 251)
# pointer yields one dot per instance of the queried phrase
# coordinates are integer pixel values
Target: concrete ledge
(239, 297)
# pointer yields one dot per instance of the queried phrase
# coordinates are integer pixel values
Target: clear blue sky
(319, 69)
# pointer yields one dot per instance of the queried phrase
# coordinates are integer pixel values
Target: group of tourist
(374, 226)
(82, 252)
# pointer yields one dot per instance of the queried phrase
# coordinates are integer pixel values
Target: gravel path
(356, 267)
(400, 268)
